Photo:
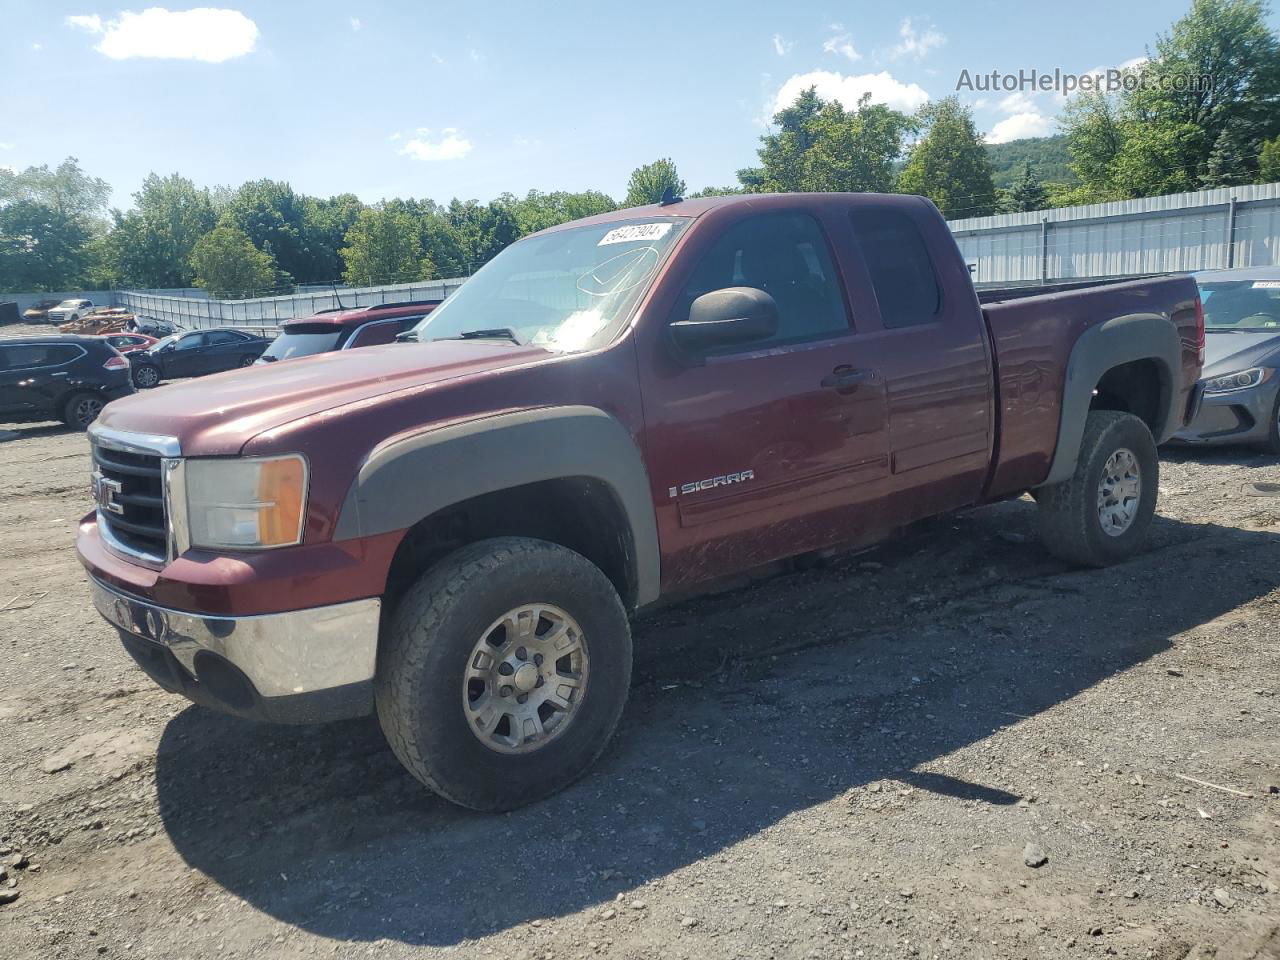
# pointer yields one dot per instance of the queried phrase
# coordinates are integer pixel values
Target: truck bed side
(1130, 346)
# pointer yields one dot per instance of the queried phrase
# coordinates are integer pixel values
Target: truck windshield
(302, 340)
(1241, 304)
(568, 290)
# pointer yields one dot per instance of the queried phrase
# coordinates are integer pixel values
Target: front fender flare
(415, 476)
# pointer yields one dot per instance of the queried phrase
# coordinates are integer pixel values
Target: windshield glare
(1241, 304)
(566, 291)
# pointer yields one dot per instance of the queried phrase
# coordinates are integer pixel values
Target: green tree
(949, 164)
(1269, 161)
(382, 246)
(272, 216)
(716, 192)
(325, 222)
(1206, 103)
(48, 219)
(1027, 192)
(537, 210)
(228, 265)
(151, 244)
(651, 182)
(821, 146)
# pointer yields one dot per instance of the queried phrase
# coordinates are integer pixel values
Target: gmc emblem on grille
(105, 492)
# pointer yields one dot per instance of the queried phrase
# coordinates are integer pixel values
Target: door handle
(845, 378)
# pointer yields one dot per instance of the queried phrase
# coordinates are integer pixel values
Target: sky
(402, 98)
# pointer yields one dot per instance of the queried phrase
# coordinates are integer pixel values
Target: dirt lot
(845, 761)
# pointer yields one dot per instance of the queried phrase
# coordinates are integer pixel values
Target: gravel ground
(857, 759)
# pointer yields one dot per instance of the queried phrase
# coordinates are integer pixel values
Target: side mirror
(722, 318)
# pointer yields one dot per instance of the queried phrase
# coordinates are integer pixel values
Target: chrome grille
(132, 512)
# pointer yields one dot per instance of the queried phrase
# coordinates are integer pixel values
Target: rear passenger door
(933, 354)
(223, 350)
(34, 377)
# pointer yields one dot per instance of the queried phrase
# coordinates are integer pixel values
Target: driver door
(771, 448)
(184, 358)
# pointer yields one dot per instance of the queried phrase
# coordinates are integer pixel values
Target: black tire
(146, 376)
(1070, 525)
(81, 409)
(425, 651)
(247, 361)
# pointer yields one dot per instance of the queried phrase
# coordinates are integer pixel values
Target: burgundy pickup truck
(452, 533)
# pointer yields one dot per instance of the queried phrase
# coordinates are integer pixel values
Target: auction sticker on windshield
(633, 232)
(1266, 284)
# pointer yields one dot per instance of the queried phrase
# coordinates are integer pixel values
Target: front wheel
(1102, 513)
(145, 376)
(503, 672)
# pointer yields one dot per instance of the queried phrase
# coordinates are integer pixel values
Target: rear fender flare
(417, 475)
(1139, 336)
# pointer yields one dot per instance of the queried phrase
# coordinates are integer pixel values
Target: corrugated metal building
(1204, 230)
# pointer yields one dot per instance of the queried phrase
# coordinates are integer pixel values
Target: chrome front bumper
(305, 665)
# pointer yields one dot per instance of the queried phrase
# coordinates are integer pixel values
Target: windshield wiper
(492, 333)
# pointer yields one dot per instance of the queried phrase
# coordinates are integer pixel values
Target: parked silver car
(1242, 356)
(68, 311)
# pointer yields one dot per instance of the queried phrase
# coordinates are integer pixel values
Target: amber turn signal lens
(281, 490)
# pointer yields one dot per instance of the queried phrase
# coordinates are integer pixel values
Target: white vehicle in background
(68, 311)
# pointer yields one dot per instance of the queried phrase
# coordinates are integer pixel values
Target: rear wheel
(146, 376)
(503, 672)
(247, 361)
(1101, 515)
(81, 409)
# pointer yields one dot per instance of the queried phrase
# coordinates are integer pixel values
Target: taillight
(1200, 329)
(116, 363)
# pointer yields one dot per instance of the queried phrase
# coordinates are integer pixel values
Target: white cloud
(1018, 103)
(916, 44)
(781, 46)
(91, 22)
(37, 47)
(526, 143)
(438, 59)
(980, 103)
(356, 24)
(451, 145)
(840, 42)
(1030, 124)
(847, 89)
(1133, 63)
(207, 34)
(475, 55)
(395, 136)
(5, 146)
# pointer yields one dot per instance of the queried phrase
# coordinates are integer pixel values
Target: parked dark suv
(345, 329)
(57, 377)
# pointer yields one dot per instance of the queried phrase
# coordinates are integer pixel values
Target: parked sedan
(195, 354)
(1242, 356)
(129, 342)
(38, 312)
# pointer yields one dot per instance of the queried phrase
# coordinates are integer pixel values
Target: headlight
(246, 504)
(1241, 380)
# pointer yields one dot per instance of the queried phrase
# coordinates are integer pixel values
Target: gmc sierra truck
(452, 532)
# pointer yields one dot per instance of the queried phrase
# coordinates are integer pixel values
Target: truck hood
(218, 415)
(1226, 352)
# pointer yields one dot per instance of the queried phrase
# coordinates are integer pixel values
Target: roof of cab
(355, 316)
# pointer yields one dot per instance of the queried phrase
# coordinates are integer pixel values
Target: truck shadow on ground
(910, 653)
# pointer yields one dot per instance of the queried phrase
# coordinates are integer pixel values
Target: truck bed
(1033, 329)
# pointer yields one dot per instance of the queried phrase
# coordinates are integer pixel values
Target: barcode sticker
(633, 232)
(1266, 284)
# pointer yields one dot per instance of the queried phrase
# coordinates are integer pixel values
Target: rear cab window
(902, 274)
